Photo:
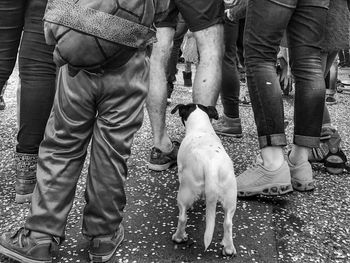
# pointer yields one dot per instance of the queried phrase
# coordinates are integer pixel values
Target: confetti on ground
(298, 227)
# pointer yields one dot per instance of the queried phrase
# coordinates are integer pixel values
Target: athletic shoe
(161, 161)
(26, 249)
(258, 180)
(103, 248)
(301, 176)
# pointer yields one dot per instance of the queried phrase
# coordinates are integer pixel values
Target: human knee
(306, 60)
(164, 42)
(210, 41)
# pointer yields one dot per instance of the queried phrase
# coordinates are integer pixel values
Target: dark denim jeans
(230, 86)
(266, 22)
(36, 68)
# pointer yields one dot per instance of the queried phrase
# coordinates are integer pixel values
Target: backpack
(88, 34)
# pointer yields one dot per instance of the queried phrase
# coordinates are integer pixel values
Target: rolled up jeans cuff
(272, 140)
(306, 141)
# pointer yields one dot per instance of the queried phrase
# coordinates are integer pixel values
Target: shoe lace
(20, 236)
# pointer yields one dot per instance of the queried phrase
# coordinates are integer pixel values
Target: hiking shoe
(25, 167)
(301, 176)
(161, 161)
(26, 249)
(228, 127)
(103, 248)
(259, 180)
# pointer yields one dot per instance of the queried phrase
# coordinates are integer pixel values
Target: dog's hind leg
(184, 201)
(229, 205)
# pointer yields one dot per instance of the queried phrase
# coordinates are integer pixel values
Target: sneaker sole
(230, 134)
(20, 199)
(275, 189)
(105, 258)
(160, 167)
(303, 186)
(22, 259)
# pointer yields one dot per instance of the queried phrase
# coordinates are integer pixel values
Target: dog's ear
(213, 113)
(176, 108)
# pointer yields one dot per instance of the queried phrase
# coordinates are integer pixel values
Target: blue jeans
(266, 22)
(36, 68)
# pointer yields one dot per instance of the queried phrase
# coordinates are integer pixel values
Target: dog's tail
(211, 198)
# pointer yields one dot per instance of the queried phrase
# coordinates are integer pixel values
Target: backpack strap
(88, 20)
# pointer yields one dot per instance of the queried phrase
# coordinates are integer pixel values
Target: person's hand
(231, 8)
(285, 74)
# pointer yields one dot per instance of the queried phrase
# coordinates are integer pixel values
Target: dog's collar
(186, 110)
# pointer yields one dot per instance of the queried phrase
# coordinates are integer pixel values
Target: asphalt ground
(298, 227)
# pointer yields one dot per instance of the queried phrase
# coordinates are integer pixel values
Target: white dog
(204, 169)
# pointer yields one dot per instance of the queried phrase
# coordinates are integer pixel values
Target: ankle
(299, 155)
(272, 157)
(166, 146)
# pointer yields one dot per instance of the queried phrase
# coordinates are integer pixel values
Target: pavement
(298, 227)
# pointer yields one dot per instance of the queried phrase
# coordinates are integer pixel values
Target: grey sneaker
(160, 161)
(24, 248)
(228, 127)
(301, 175)
(103, 248)
(259, 180)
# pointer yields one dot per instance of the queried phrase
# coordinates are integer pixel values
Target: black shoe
(26, 249)
(103, 248)
(161, 161)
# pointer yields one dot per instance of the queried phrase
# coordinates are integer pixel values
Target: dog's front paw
(177, 238)
(229, 251)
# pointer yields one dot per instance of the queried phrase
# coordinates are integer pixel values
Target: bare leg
(157, 95)
(207, 81)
